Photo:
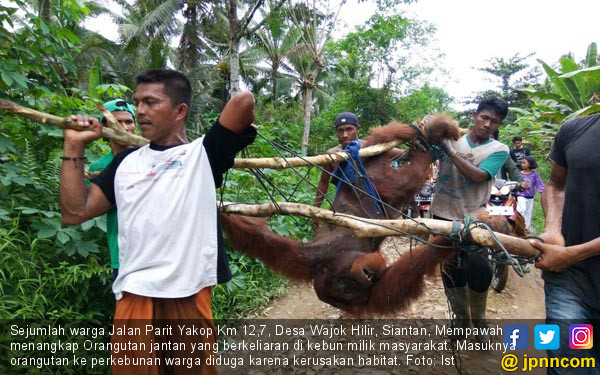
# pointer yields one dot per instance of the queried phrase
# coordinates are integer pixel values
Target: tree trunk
(274, 70)
(234, 49)
(45, 10)
(234, 66)
(307, 105)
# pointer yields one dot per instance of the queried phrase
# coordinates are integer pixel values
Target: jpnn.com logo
(516, 336)
(547, 336)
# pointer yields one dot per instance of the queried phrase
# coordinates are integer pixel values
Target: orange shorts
(154, 336)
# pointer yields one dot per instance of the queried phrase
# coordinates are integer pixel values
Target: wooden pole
(364, 227)
(116, 133)
(113, 131)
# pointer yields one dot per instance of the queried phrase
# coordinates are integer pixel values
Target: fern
(50, 175)
(29, 164)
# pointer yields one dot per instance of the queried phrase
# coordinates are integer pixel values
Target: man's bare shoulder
(335, 149)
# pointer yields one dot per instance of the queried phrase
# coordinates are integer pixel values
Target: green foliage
(538, 220)
(568, 93)
(252, 286)
(37, 56)
(380, 51)
(421, 102)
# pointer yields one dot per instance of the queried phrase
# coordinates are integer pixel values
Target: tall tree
(241, 28)
(510, 74)
(277, 43)
(315, 23)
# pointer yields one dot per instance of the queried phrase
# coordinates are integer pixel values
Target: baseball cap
(118, 105)
(346, 118)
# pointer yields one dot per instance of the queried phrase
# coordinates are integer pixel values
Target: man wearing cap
(124, 113)
(346, 129)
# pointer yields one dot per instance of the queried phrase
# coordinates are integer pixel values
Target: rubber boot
(478, 302)
(459, 303)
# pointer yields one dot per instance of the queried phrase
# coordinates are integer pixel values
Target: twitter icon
(547, 336)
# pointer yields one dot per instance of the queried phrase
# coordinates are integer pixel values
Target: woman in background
(525, 196)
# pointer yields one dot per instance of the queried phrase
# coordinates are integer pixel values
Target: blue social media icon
(516, 336)
(546, 336)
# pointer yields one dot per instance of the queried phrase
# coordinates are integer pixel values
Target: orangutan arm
(404, 280)
(251, 236)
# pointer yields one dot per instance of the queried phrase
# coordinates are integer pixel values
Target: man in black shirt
(519, 151)
(570, 257)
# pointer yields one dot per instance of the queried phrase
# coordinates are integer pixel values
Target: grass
(538, 219)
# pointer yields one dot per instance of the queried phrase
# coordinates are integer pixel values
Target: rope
(349, 171)
(518, 263)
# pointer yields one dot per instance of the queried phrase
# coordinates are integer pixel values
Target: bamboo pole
(364, 227)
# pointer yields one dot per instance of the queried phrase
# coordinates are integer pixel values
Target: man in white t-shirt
(170, 243)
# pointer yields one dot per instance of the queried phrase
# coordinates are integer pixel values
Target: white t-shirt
(167, 213)
(159, 193)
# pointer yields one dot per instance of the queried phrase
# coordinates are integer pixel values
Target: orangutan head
(347, 279)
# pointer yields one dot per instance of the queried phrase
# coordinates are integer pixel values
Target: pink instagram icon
(581, 336)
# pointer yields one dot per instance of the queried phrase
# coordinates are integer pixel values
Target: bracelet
(73, 158)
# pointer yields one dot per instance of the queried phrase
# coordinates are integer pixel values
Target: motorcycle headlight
(495, 190)
(426, 191)
(505, 190)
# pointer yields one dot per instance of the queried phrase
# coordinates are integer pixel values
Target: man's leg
(131, 344)
(191, 322)
(564, 308)
(479, 278)
(455, 286)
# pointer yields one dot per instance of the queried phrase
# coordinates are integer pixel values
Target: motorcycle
(424, 198)
(422, 202)
(502, 202)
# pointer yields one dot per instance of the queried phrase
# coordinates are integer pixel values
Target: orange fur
(251, 236)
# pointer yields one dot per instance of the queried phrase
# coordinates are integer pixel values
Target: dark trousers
(473, 269)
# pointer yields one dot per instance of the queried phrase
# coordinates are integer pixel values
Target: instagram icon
(581, 336)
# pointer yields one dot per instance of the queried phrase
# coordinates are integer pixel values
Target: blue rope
(347, 174)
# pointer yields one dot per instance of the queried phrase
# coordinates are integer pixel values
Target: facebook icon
(516, 336)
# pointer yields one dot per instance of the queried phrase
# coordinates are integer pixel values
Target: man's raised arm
(238, 112)
(77, 202)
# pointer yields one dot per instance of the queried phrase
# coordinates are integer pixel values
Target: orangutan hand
(418, 145)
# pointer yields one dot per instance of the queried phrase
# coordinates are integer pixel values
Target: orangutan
(347, 271)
